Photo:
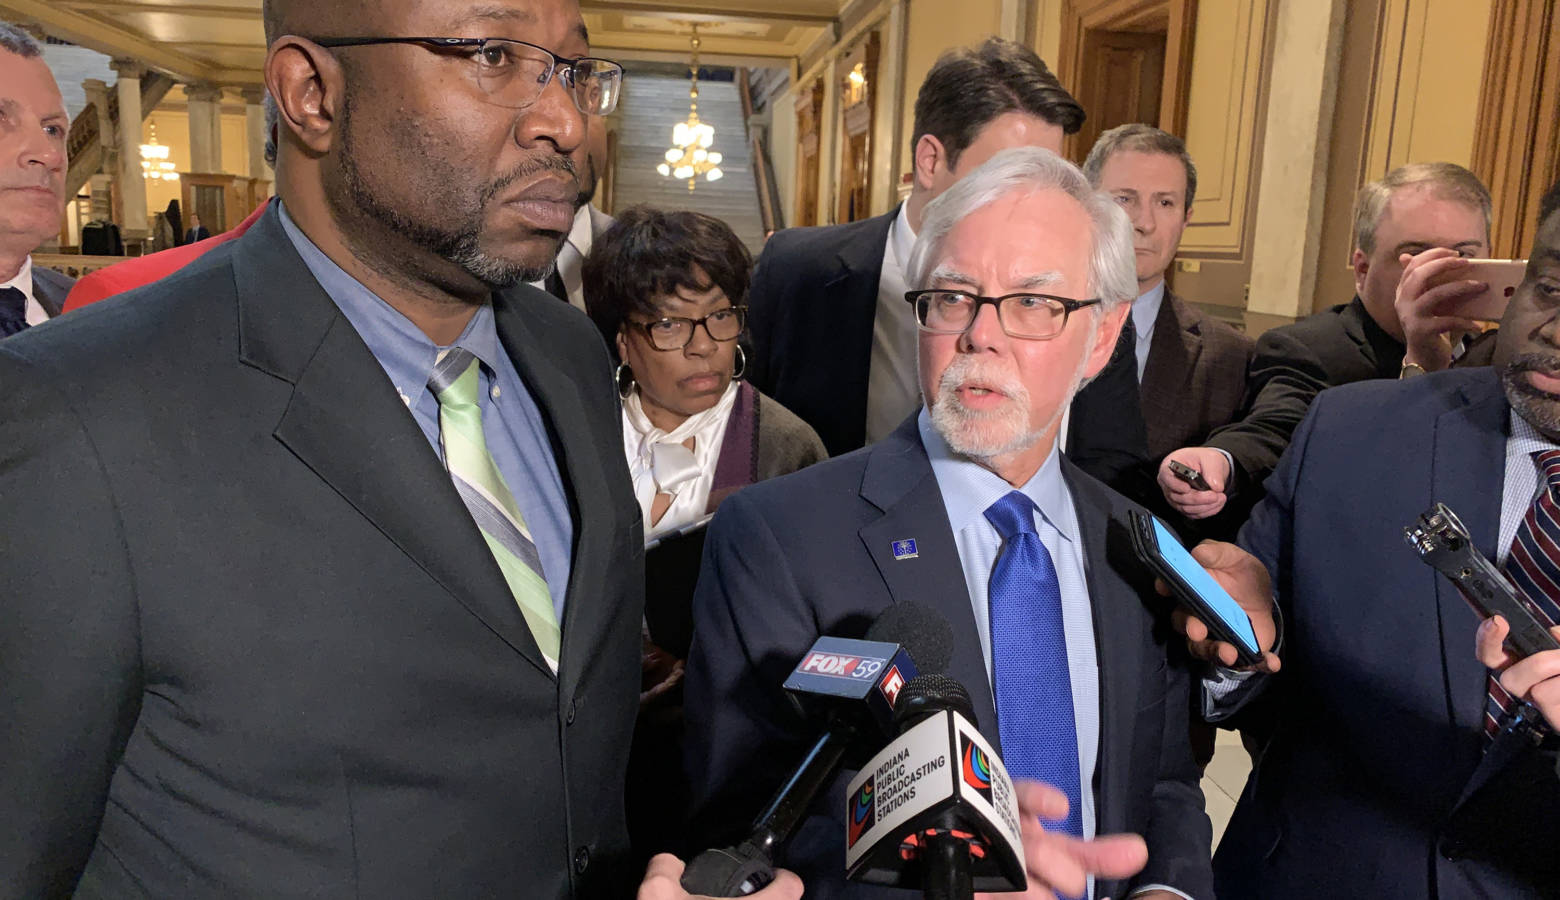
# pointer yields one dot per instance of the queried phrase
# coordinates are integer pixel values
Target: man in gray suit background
(33, 126)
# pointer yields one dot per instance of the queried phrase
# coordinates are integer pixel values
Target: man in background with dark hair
(33, 125)
(833, 338)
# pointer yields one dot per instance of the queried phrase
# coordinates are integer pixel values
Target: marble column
(205, 110)
(254, 127)
(132, 184)
(1292, 188)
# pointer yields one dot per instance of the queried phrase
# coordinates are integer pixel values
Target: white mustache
(966, 370)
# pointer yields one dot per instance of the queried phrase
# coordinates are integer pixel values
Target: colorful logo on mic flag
(861, 814)
(976, 768)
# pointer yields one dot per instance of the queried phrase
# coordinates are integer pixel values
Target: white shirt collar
(901, 240)
(580, 232)
(23, 280)
(1145, 310)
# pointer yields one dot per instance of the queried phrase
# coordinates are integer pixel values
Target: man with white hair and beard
(1024, 277)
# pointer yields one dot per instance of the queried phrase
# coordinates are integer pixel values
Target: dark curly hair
(650, 253)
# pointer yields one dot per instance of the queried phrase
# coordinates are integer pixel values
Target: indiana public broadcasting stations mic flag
(941, 762)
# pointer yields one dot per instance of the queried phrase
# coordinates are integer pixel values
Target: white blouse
(659, 463)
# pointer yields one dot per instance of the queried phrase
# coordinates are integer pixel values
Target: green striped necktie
(456, 383)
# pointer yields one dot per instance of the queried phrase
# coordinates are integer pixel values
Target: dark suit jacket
(197, 234)
(1291, 365)
(253, 644)
(1380, 700)
(50, 288)
(1195, 376)
(810, 314)
(809, 554)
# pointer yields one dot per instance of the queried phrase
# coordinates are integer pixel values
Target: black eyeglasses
(514, 74)
(676, 332)
(1031, 316)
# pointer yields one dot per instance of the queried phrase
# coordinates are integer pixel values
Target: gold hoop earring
(741, 364)
(624, 389)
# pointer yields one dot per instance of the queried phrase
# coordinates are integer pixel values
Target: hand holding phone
(1218, 627)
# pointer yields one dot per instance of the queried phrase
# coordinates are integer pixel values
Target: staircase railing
(84, 144)
(769, 209)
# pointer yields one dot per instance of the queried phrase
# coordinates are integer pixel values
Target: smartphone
(1189, 475)
(1502, 277)
(1159, 547)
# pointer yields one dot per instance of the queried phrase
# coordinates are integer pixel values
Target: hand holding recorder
(1535, 678)
(1193, 480)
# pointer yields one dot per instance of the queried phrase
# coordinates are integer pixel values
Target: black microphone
(935, 810)
(851, 687)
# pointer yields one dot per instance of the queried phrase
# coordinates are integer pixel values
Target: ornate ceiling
(222, 41)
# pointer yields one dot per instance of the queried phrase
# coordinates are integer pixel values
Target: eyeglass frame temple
(1069, 306)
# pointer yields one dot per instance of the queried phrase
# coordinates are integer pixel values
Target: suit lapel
(1118, 643)
(852, 299)
(898, 480)
(1468, 441)
(44, 283)
(1167, 377)
(558, 396)
(347, 425)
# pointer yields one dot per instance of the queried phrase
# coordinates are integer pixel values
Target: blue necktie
(1029, 659)
(13, 311)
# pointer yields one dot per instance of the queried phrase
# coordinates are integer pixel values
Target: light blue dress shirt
(1145, 311)
(967, 490)
(511, 422)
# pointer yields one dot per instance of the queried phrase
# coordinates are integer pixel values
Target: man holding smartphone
(1417, 221)
(1403, 764)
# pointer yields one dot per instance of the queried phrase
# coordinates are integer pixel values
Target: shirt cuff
(1231, 460)
(1160, 887)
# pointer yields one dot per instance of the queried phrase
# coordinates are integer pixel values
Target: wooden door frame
(1080, 16)
(1516, 150)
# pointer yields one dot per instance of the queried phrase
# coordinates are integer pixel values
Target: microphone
(935, 810)
(851, 686)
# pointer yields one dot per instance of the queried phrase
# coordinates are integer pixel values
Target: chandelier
(154, 160)
(690, 155)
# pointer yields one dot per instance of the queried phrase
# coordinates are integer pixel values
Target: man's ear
(1105, 339)
(1360, 263)
(308, 85)
(928, 157)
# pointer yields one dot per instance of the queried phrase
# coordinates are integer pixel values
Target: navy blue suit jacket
(809, 554)
(1379, 702)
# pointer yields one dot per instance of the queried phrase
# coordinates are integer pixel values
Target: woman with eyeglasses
(666, 290)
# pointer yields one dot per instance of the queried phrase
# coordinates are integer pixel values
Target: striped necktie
(1533, 567)
(1031, 680)
(456, 383)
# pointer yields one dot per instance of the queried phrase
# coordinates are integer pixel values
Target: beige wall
(933, 27)
(1425, 59)
(1431, 60)
(1224, 126)
(173, 129)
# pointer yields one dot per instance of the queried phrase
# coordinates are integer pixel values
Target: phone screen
(1195, 576)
